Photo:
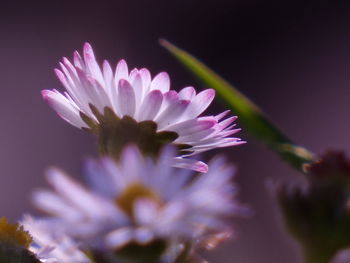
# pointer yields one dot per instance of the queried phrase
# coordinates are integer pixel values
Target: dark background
(291, 57)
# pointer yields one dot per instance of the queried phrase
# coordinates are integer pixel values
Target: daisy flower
(50, 246)
(123, 107)
(139, 203)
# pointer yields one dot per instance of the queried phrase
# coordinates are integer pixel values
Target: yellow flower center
(131, 194)
(14, 234)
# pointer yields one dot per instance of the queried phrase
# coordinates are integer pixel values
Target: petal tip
(87, 46)
(202, 168)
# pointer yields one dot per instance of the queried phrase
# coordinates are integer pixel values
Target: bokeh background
(291, 57)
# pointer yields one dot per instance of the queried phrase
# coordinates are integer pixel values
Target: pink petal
(225, 123)
(190, 164)
(222, 114)
(227, 142)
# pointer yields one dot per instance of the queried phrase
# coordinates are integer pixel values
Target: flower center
(115, 133)
(131, 194)
(13, 234)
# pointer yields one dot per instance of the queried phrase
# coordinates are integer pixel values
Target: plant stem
(254, 119)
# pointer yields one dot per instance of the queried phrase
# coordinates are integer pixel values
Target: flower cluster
(141, 200)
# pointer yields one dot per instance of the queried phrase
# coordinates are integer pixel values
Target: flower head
(51, 246)
(317, 214)
(123, 107)
(14, 243)
(141, 202)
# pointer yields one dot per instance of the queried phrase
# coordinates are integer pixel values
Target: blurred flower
(123, 108)
(51, 246)
(13, 234)
(318, 214)
(139, 203)
(14, 244)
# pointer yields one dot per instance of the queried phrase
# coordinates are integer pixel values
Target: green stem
(255, 121)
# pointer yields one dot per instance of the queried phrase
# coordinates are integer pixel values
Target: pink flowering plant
(149, 198)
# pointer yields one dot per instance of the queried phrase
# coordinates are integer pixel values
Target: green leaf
(254, 120)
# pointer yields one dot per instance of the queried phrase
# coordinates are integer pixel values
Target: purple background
(292, 58)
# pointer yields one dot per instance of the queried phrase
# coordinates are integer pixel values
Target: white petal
(55, 205)
(119, 237)
(74, 87)
(172, 110)
(143, 235)
(64, 108)
(189, 127)
(75, 193)
(146, 79)
(108, 77)
(172, 114)
(150, 105)
(187, 93)
(132, 163)
(78, 61)
(121, 71)
(99, 179)
(136, 83)
(91, 63)
(195, 137)
(161, 82)
(126, 98)
(200, 103)
(95, 92)
(145, 211)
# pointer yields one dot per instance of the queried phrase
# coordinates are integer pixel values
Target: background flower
(50, 245)
(139, 201)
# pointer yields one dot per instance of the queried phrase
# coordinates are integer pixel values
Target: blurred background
(291, 57)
